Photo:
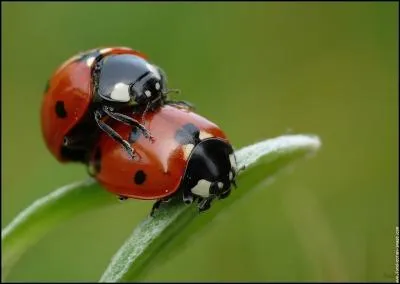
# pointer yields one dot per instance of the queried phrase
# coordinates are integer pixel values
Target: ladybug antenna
(176, 91)
(149, 105)
(145, 111)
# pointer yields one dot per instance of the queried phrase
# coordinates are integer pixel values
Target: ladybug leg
(157, 205)
(234, 183)
(225, 194)
(240, 169)
(187, 197)
(127, 120)
(113, 134)
(184, 104)
(122, 198)
(90, 170)
(205, 204)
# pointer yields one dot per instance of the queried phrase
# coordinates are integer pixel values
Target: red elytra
(161, 164)
(68, 95)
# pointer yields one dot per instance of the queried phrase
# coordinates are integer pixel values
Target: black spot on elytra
(60, 109)
(188, 134)
(140, 177)
(97, 160)
(135, 135)
(46, 88)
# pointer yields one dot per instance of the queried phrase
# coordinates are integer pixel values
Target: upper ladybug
(94, 86)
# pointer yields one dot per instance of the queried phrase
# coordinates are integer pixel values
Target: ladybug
(92, 87)
(190, 157)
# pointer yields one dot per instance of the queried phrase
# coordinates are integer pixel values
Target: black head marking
(140, 177)
(60, 109)
(135, 135)
(209, 161)
(188, 134)
(47, 86)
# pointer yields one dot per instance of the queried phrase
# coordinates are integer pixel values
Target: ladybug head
(150, 87)
(128, 78)
(211, 169)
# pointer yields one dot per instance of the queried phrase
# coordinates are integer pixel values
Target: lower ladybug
(190, 156)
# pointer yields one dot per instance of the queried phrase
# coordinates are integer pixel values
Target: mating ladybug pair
(109, 108)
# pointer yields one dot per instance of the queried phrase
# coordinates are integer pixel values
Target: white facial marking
(233, 161)
(153, 70)
(105, 50)
(204, 134)
(90, 61)
(147, 93)
(187, 149)
(202, 188)
(157, 86)
(220, 185)
(230, 175)
(120, 93)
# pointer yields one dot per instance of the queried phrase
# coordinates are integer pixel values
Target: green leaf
(157, 238)
(46, 213)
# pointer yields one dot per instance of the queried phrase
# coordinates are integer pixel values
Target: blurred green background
(258, 70)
